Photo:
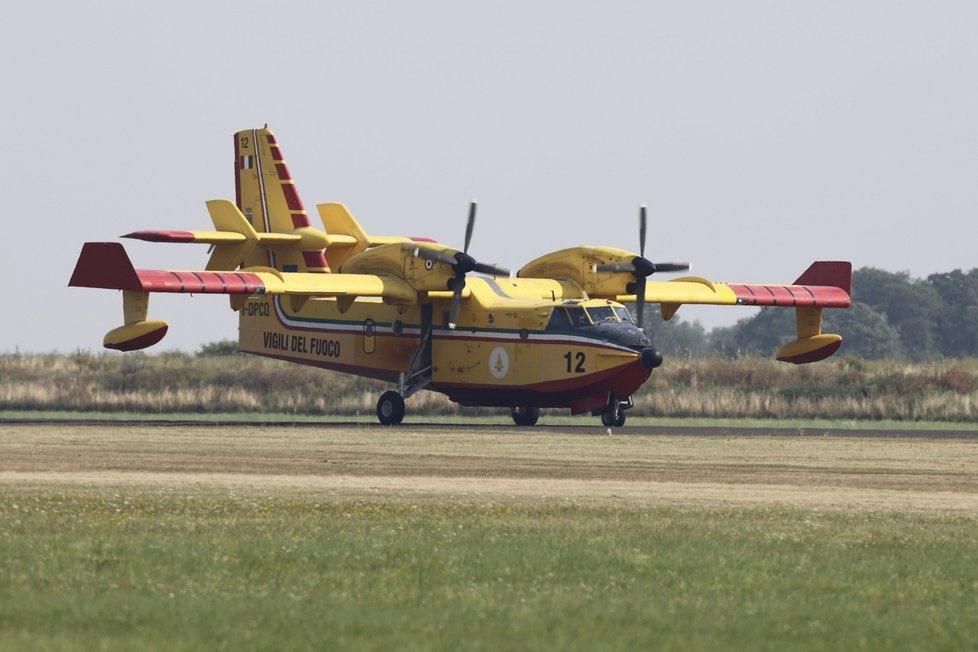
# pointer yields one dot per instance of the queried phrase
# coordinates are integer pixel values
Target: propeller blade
(615, 267)
(640, 302)
(671, 267)
(435, 255)
(639, 267)
(456, 302)
(491, 270)
(470, 225)
(641, 230)
(462, 263)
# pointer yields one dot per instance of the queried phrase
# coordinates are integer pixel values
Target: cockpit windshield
(623, 314)
(563, 318)
(602, 314)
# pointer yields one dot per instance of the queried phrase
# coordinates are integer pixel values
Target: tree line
(893, 315)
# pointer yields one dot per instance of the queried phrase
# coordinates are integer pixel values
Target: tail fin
(267, 196)
(829, 273)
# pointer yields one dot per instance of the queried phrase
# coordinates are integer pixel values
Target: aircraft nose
(651, 358)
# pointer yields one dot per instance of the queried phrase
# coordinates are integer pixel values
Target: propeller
(641, 268)
(462, 263)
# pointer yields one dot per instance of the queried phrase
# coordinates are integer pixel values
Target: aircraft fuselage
(506, 350)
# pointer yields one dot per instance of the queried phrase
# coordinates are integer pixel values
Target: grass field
(843, 388)
(129, 538)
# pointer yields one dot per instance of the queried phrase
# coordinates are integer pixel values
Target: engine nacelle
(578, 264)
(398, 260)
(135, 336)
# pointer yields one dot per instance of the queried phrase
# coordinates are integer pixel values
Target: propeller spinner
(462, 263)
(641, 268)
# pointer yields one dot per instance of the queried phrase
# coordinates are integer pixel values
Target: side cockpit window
(558, 320)
(578, 317)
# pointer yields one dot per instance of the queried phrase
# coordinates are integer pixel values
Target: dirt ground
(925, 472)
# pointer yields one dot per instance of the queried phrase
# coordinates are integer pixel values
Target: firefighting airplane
(409, 311)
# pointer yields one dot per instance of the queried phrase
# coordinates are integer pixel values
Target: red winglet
(834, 273)
(105, 265)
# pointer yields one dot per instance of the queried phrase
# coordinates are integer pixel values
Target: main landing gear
(390, 408)
(526, 416)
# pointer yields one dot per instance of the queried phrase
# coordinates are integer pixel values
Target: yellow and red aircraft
(409, 312)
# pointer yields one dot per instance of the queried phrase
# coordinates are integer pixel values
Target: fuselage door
(369, 336)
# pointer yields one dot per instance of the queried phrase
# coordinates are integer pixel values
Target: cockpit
(566, 317)
(605, 321)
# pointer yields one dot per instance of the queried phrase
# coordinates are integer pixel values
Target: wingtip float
(422, 315)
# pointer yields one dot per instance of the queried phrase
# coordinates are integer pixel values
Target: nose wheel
(617, 420)
(614, 414)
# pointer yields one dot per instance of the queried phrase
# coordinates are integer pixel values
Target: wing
(609, 273)
(107, 265)
(823, 285)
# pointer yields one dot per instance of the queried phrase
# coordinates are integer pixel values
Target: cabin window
(602, 314)
(558, 320)
(623, 314)
(578, 317)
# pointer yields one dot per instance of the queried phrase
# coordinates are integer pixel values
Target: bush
(224, 347)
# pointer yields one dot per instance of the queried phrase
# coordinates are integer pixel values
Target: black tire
(620, 421)
(608, 419)
(526, 416)
(390, 408)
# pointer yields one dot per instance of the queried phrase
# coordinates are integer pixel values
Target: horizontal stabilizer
(150, 235)
(213, 237)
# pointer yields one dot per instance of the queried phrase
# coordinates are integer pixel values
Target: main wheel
(608, 419)
(620, 421)
(526, 416)
(390, 408)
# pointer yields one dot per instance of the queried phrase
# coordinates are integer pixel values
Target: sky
(763, 135)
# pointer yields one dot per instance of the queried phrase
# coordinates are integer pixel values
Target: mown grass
(141, 571)
(489, 417)
(843, 389)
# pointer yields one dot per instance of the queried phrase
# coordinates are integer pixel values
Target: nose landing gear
(614, 414)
